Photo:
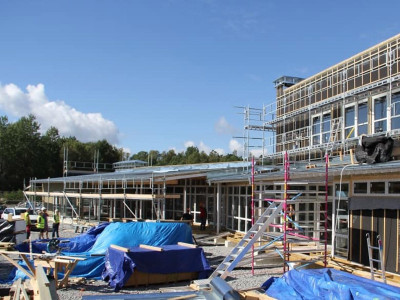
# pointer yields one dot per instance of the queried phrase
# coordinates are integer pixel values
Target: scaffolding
(314, 115)
(277, 228)
(109, 195)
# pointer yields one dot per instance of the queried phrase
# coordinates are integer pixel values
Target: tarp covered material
(327, 284)
(119, 265)
(374, 149)
(80, 243)
(126, 235)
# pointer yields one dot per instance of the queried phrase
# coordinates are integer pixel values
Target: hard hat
(44, 208)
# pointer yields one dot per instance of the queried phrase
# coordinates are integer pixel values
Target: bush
(13, 197)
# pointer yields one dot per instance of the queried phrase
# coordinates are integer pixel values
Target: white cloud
(204, 147)
(86, 127)
(223, 127)
(189, 144)
(234, 145)
(220, 151)
(256, 153)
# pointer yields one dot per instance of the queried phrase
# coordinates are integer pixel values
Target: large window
(316, 130)
(395, 117)
(326, 128)
(321, 130)
(362, 119)
(349, 122)
(380, 109)
(356, 120)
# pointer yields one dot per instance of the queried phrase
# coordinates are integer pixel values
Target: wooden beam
(18, 266)
(123, 249)
(187, 245)
(151, 247)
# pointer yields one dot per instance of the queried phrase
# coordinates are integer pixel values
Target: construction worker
(56, 224)
(40, 225)
(28, 222)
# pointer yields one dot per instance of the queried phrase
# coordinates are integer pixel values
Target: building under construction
(328, 161)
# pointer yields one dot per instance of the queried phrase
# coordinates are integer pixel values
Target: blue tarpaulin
(94, 244)
(120, 265)
(80, 243)
(327, 284)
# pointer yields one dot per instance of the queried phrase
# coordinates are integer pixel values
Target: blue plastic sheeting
(122, 234)
(120, 265)
(135, 233)
(327, 284)
(80, 243)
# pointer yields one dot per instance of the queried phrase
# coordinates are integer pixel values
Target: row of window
(356, 119)
(377, 187)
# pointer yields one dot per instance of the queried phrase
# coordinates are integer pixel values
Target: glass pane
(344, 189)
(394, 187)
(316, 125)
(315, 139)
(326, 125)
(396, 104)
(349, 116)
(380, 108)
(360, 187)
(396, 122)
(325, 137)
(380, 126)
(363, 113)
(377, 187)
(362, 129)
(348, 131)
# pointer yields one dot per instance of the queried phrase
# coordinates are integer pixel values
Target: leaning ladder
(335, 129)
(240, 250)
(372, 260)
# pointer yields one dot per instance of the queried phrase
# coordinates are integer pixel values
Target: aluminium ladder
(255, 232)
(335, 129)
(372, 260)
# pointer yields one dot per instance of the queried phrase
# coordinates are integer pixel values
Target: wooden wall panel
(390, 240)
(386, 223)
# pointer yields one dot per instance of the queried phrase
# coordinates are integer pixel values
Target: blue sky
(167, 74)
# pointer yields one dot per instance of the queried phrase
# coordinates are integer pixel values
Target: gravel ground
(239, 279)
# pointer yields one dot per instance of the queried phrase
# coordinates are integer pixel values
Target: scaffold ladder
(255, 232)
(380, 261)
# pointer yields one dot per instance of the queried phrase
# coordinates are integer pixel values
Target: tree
(192, 155)
(142, 155)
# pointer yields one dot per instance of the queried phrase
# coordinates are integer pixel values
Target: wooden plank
(18, 266)
(151, 247)
(41, 285)
(187, 245)
(71, 257)
(123, 249)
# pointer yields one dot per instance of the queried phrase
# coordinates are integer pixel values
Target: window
(326, 128)
(360, 188)
(316, 130)
(395, 117)
(380, 114)
(362, 119)
(321, 130)
(356, 120)
(377, 187)
(349, 119)
(394, 187)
